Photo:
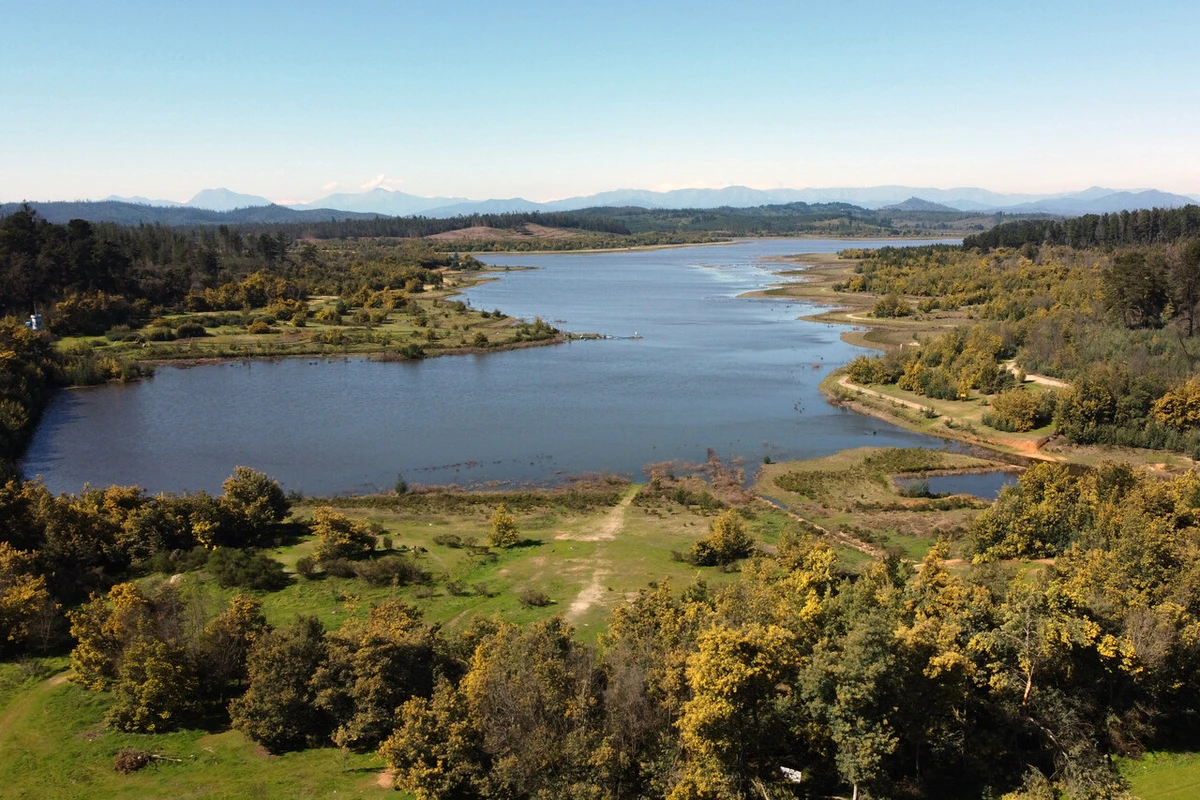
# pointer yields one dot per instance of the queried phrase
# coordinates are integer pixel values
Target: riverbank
(947, 419)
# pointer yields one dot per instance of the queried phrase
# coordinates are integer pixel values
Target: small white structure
(35, 322)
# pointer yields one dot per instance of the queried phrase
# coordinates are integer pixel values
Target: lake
(710, 370)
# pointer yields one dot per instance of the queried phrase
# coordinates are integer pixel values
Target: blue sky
(293, 100)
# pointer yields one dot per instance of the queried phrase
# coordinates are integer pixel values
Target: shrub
(246, 569)
(454, 541)
(726, 542)
(190, 330)
(259, 327)
(306, 566)
(338, 568)
(391, 570)
(504, 528)
(533, 598)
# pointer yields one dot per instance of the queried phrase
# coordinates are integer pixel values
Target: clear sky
(293, 100)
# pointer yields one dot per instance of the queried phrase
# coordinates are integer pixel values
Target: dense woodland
(1117, 323)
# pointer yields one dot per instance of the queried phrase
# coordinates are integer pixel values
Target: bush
(338, 568)
(533, 598)
(306, 566)
(259, 327)
(391, 570)
(190, 330)
(452, 540)
(726, 542)
(246, 569)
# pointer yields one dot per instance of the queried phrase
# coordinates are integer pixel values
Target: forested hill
(1144, 227)
(176, 216)
(833, 219)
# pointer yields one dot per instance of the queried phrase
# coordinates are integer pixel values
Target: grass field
(1164, 776)
(54, 744)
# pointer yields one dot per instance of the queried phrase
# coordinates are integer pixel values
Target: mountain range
(385, 202)
(1095, 200)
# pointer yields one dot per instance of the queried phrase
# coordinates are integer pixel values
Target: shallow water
(711, 370)
(985, 485)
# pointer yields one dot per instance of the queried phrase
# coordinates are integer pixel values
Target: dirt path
(608, 528)
(605, 531)
(22, 704)
(1033, 377)
(846, 383)
(592, 593)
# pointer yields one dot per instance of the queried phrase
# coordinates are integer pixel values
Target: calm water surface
(710, 370)
(985, 485)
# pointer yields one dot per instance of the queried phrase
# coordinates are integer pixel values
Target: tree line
(1144, 227)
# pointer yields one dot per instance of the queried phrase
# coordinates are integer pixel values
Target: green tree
(504, 528)
(279, 709)
(339, 536)
(24, 597)
(155, 687)
(726, 542)
(435, 750)
(255, 500)
(371, 670)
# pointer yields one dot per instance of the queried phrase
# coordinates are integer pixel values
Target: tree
(733, 715)
(102, 630)
(156, 687)
(372, 669)
(225, 645)
(1183, 273)
(530, 696)
(23, 596)
(255, 500)
(504, 528)
(726, 542)
(435, 751)
(339, 536)
(279, 709)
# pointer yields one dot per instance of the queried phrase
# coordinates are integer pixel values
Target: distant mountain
(387, 202)
(1092, 202)
(138, 214)
(141, 201)
(917, 204)
(511, 205)
(225, 200)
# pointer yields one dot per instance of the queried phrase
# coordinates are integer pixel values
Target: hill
(124, 213)
(917, 204)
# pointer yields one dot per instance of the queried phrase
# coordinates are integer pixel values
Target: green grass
(53, 744)
(1164, 775)
(853, 492)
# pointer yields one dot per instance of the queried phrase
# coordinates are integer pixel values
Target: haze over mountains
(1095, 200)
(385, 202)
